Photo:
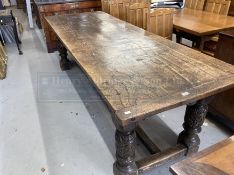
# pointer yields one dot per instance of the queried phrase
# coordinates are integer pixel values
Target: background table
(195, 24)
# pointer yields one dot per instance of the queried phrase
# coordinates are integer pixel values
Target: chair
(195, 4)
(209, 43)
(137, 14)
(105, 6)
(118, 8)
(160, 22)
(218, 6)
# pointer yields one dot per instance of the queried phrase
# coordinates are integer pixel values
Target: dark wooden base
(64, 62)
(196, 40)
(44, 10)
(125, 137)
(188, 143)
(125, 153)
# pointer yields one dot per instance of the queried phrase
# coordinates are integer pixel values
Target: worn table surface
(201, 23)
(215, 160)
(138, 74)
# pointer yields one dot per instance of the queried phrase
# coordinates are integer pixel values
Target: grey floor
(54, 122)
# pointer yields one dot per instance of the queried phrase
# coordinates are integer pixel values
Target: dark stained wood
(215, 160)
(64, 62)
(194, 118)
(137, 73)
(201, 23)
(146, 140)
(60, 7)
(223, 103)
(158, 159)
(125, 153)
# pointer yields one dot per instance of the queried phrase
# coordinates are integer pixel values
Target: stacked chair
(209, 43)
(160, 20)
(155, 24)
(195, 4)
(118, 8)
(137, 12)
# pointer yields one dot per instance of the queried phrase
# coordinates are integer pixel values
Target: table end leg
(64, 62)
(194, 118)
(125, 153)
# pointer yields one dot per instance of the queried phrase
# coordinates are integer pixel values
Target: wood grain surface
(201, 23)
(195, 4)
(215, 160)
(218, 6)
(137, 73)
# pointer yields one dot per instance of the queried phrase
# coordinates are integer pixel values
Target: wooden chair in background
(209, 43)
(218, 6)
(137, 14)
(118, 8)
(160, 22)
(195, 4)
(105, 6)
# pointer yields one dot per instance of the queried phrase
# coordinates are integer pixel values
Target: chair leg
(17, 40)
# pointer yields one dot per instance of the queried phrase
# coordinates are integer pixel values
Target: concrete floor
(52, 124)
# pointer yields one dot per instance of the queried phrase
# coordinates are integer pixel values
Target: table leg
(125, 153)
(194, 118)
(178, 38)
(64, 62)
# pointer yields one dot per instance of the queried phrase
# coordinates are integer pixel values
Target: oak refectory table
(138, 75)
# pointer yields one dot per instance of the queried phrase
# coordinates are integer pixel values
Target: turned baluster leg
(64, 62)
(125, 153)
(194, 118)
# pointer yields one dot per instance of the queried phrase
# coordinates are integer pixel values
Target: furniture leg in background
(64, 62)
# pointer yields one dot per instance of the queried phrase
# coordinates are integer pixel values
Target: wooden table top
(215, 160)
(137, 73)
(201, 23)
